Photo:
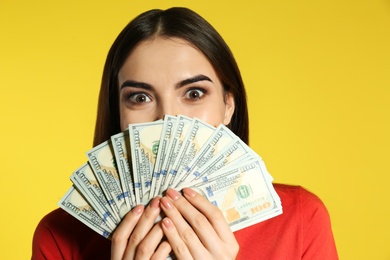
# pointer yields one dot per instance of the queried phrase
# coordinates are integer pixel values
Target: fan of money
(140, 163)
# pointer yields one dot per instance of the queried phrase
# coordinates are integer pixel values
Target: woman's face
(168, 76)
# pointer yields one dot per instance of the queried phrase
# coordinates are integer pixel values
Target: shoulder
(60, 235)
(51, 220)
(297, 198)
(305, 209)
(57, 224)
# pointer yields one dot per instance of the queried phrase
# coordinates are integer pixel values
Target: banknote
(276, 211)
(234, 152)
(121, 146)
(241, 193)
(144, 141)
(166, 134)
(73, 203)
(102, 161)
(197, 135)
(134, 166)
(85, 181)
(179, 132)
(219, 139)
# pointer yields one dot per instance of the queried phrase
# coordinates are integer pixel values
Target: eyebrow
(136, 84)
(143, 85)
(194, 79)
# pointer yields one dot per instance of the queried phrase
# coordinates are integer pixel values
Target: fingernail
(167, 222)
(173, 194)
(189, 192)
(166, 203)
(155, 203)
(137, 210)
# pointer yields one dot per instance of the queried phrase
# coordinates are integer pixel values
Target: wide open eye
(194, 94)
(139, 98)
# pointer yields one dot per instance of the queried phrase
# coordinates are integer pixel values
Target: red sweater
(303, 231)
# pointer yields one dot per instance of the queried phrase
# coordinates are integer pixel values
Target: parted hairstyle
(174, 22)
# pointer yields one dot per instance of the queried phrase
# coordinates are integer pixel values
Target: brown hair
(174, 22)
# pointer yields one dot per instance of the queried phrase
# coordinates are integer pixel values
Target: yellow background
(317, 74)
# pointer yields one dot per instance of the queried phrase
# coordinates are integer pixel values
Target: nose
(168, 107)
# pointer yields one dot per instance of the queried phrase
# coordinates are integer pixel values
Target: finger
(184, 231)
(149, 244)
(177, 244)
(212, 213)
(143, 226)
(163, 251)
(122, 233)
(198, 221)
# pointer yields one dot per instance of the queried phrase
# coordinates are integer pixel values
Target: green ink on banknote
(243, 191)
(155, 146)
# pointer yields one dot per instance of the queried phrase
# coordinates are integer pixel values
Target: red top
(303, 231)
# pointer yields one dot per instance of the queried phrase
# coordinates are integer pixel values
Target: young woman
(174, 62)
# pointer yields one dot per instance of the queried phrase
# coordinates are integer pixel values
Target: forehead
(165, 56)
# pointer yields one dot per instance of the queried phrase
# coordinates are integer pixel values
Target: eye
(194, 94)
(139, 98)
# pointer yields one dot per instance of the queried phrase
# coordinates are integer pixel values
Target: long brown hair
(174, 22)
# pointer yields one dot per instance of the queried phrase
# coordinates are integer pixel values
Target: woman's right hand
(137, 236)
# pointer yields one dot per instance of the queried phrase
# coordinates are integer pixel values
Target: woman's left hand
(195, 228)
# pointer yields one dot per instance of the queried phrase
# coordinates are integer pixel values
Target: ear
(229, 108)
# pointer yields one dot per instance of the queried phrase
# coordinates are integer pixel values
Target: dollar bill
(242, 193)
(144, 142)
(140, 163)
(166, 134)
(73, 203)
(236, 151)
(196, 136)
(219, 139)
(102, 161)
(267, 215)
(179, 132)
(121, 146)
(85, 182)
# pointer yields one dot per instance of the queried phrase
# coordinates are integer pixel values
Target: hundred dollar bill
(85, 182)
(219, 139)
(196, 137)
(267, 215)
(144, 141)
(270, 214)
(166, 134)
(73, 203)
(102, 161)
(121, 146)
(242, 193)
(179, 132)
(236, 151)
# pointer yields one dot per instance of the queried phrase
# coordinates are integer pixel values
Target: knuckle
(216, 214)
(117, 238)
(200, 221)
(143, 250)
(188, 235)
(180, 249)
(235, 248)
(231, 250)
(134, 239)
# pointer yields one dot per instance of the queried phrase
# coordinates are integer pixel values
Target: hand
(195, 228)
(138, 237)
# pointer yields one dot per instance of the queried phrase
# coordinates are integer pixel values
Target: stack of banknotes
(143, 161)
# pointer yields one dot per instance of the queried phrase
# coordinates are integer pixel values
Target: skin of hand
(139, 236)
(195, 228)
